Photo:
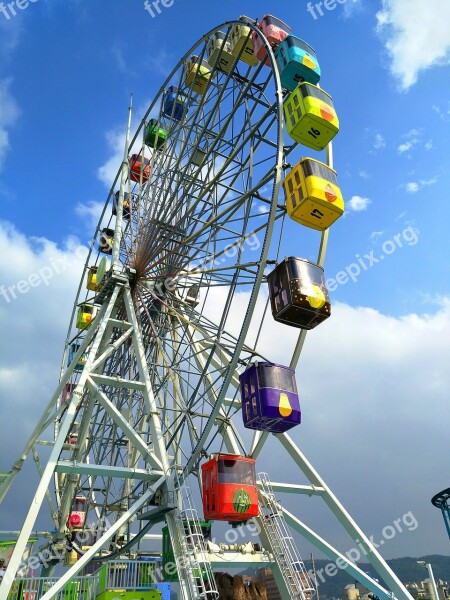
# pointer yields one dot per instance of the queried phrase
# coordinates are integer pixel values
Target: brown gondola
(298, 294)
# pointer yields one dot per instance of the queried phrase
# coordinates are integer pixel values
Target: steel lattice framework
(158, 391)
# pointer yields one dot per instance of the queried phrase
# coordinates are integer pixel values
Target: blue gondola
(297, 62)
(174, 104)
(74, 347)
(269, 398)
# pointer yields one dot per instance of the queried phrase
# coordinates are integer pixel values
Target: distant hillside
(406, 569)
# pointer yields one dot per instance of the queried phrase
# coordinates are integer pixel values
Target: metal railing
(285, 551)
(191, 552)
(33, 588)
(127, 575)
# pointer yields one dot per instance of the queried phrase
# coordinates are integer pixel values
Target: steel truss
(153, 397)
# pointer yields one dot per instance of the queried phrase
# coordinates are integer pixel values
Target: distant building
(419, 591)
(351, 592)
(266, 577)
(424, 590)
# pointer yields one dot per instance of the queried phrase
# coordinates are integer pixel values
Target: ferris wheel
(166, 398)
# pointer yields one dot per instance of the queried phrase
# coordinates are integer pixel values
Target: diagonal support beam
(228, 432)
(339, 559)
(125, 518)
(123, 424)
(144, 376)
(355, 532)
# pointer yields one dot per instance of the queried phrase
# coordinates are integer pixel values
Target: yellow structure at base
(313, 196)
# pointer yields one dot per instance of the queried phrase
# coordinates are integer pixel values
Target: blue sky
(67, 69)
(74, 65)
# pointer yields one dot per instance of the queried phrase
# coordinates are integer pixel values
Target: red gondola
(137, 164)
(72, 438)
(67, 392)
(78, 513)
(229, 488)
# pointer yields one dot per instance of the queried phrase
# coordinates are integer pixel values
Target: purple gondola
(269, 398)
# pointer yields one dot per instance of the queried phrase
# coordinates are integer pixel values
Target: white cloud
(108, 171)
(90, 212)
(379, 142)
(364, 174)
(412, 139)
(377, 368)
(358, 203)
(406, 146)
(351, 7)
(444, 113)
(34, 324)
(9, 113)
(417, 36)
(413, 187)
(119, 58)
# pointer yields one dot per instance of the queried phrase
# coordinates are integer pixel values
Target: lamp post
(422, 563)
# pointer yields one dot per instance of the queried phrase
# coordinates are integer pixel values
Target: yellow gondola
(91, 283)
(313, 196)
(241, 37)
(86, 314)
(197, 75)
(310, 116)
(219, 52)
